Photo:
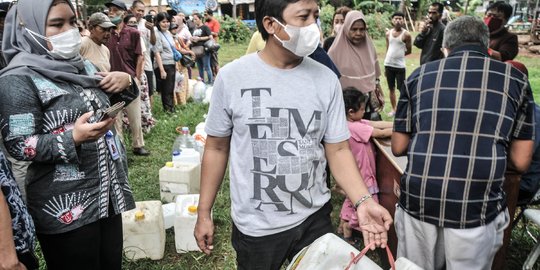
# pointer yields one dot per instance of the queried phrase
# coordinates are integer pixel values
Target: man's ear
(268, 24)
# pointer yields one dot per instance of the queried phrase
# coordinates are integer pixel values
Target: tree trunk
(234, 9)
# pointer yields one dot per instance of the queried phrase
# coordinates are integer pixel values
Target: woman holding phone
(51, 113)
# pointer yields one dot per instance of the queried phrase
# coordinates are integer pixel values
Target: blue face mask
(116, 20)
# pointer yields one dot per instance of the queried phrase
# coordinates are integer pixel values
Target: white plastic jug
(184, 223)
(168, 215)
(188, 155)
(144, 234)
(179, 178)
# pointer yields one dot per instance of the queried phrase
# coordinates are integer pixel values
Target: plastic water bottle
(176, 150)
(199, 90)
(186, 141)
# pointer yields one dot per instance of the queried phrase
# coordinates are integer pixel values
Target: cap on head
(117, 3)
(100, 19)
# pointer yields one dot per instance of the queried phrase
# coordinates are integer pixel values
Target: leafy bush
(369, 7)
(377, 23)
(233, 30)
(326, 14)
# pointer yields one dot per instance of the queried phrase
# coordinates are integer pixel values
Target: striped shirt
(462, 112)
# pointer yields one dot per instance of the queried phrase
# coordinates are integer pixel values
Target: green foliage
(473, 4)
(326, 14)
(233, 30)
(377, 23)
(369, 7)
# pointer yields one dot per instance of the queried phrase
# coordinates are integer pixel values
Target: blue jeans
(203, 64)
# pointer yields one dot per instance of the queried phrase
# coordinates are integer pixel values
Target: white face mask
(337, 28)
(302, 40)
(65, 45)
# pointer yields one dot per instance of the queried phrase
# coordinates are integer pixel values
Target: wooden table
(389, 171)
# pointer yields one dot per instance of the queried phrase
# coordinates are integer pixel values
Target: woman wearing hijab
(51, 108)
(354, 54)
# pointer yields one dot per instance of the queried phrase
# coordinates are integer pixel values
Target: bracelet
(361, 200)
(130, 80)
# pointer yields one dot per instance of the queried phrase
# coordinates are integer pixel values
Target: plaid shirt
(462, 112)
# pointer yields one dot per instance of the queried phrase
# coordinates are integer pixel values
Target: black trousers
(97, 245)
(271, 251)
(150, 78)
(166, 87)
(29, 260)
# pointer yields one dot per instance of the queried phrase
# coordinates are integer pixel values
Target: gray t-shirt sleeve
(336, 130)
(219, 121)
(158, 47)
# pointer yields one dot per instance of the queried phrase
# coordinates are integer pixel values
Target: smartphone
(112, 111)
(149, 18)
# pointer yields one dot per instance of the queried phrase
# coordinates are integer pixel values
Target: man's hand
(149, 26)
(374, 222)
(426, 25)
(114, 82)
(204, 233)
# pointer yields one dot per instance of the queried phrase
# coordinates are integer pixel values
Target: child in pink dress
(361, 131)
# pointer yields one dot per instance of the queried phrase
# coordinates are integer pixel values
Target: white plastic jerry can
(179, 178)
(169, 209)
(143, 231)
(184, 223)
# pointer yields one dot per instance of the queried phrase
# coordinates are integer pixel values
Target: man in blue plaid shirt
(461, 121)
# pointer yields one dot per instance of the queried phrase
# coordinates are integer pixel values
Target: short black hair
(197, 14)
(503, 7)
(272, 8)
(439, 6)
(160, 17)
(353, 99)
(127, 17)
(209, 12)
(398, 14)
(134, 4)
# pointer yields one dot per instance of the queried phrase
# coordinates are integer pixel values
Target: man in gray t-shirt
(277, 116)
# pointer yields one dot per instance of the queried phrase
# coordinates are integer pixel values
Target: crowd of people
(293, 110)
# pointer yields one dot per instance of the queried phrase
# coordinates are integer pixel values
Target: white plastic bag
(178, 79)
(329, 252)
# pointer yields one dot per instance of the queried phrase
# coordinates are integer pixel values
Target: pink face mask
(493, 23)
